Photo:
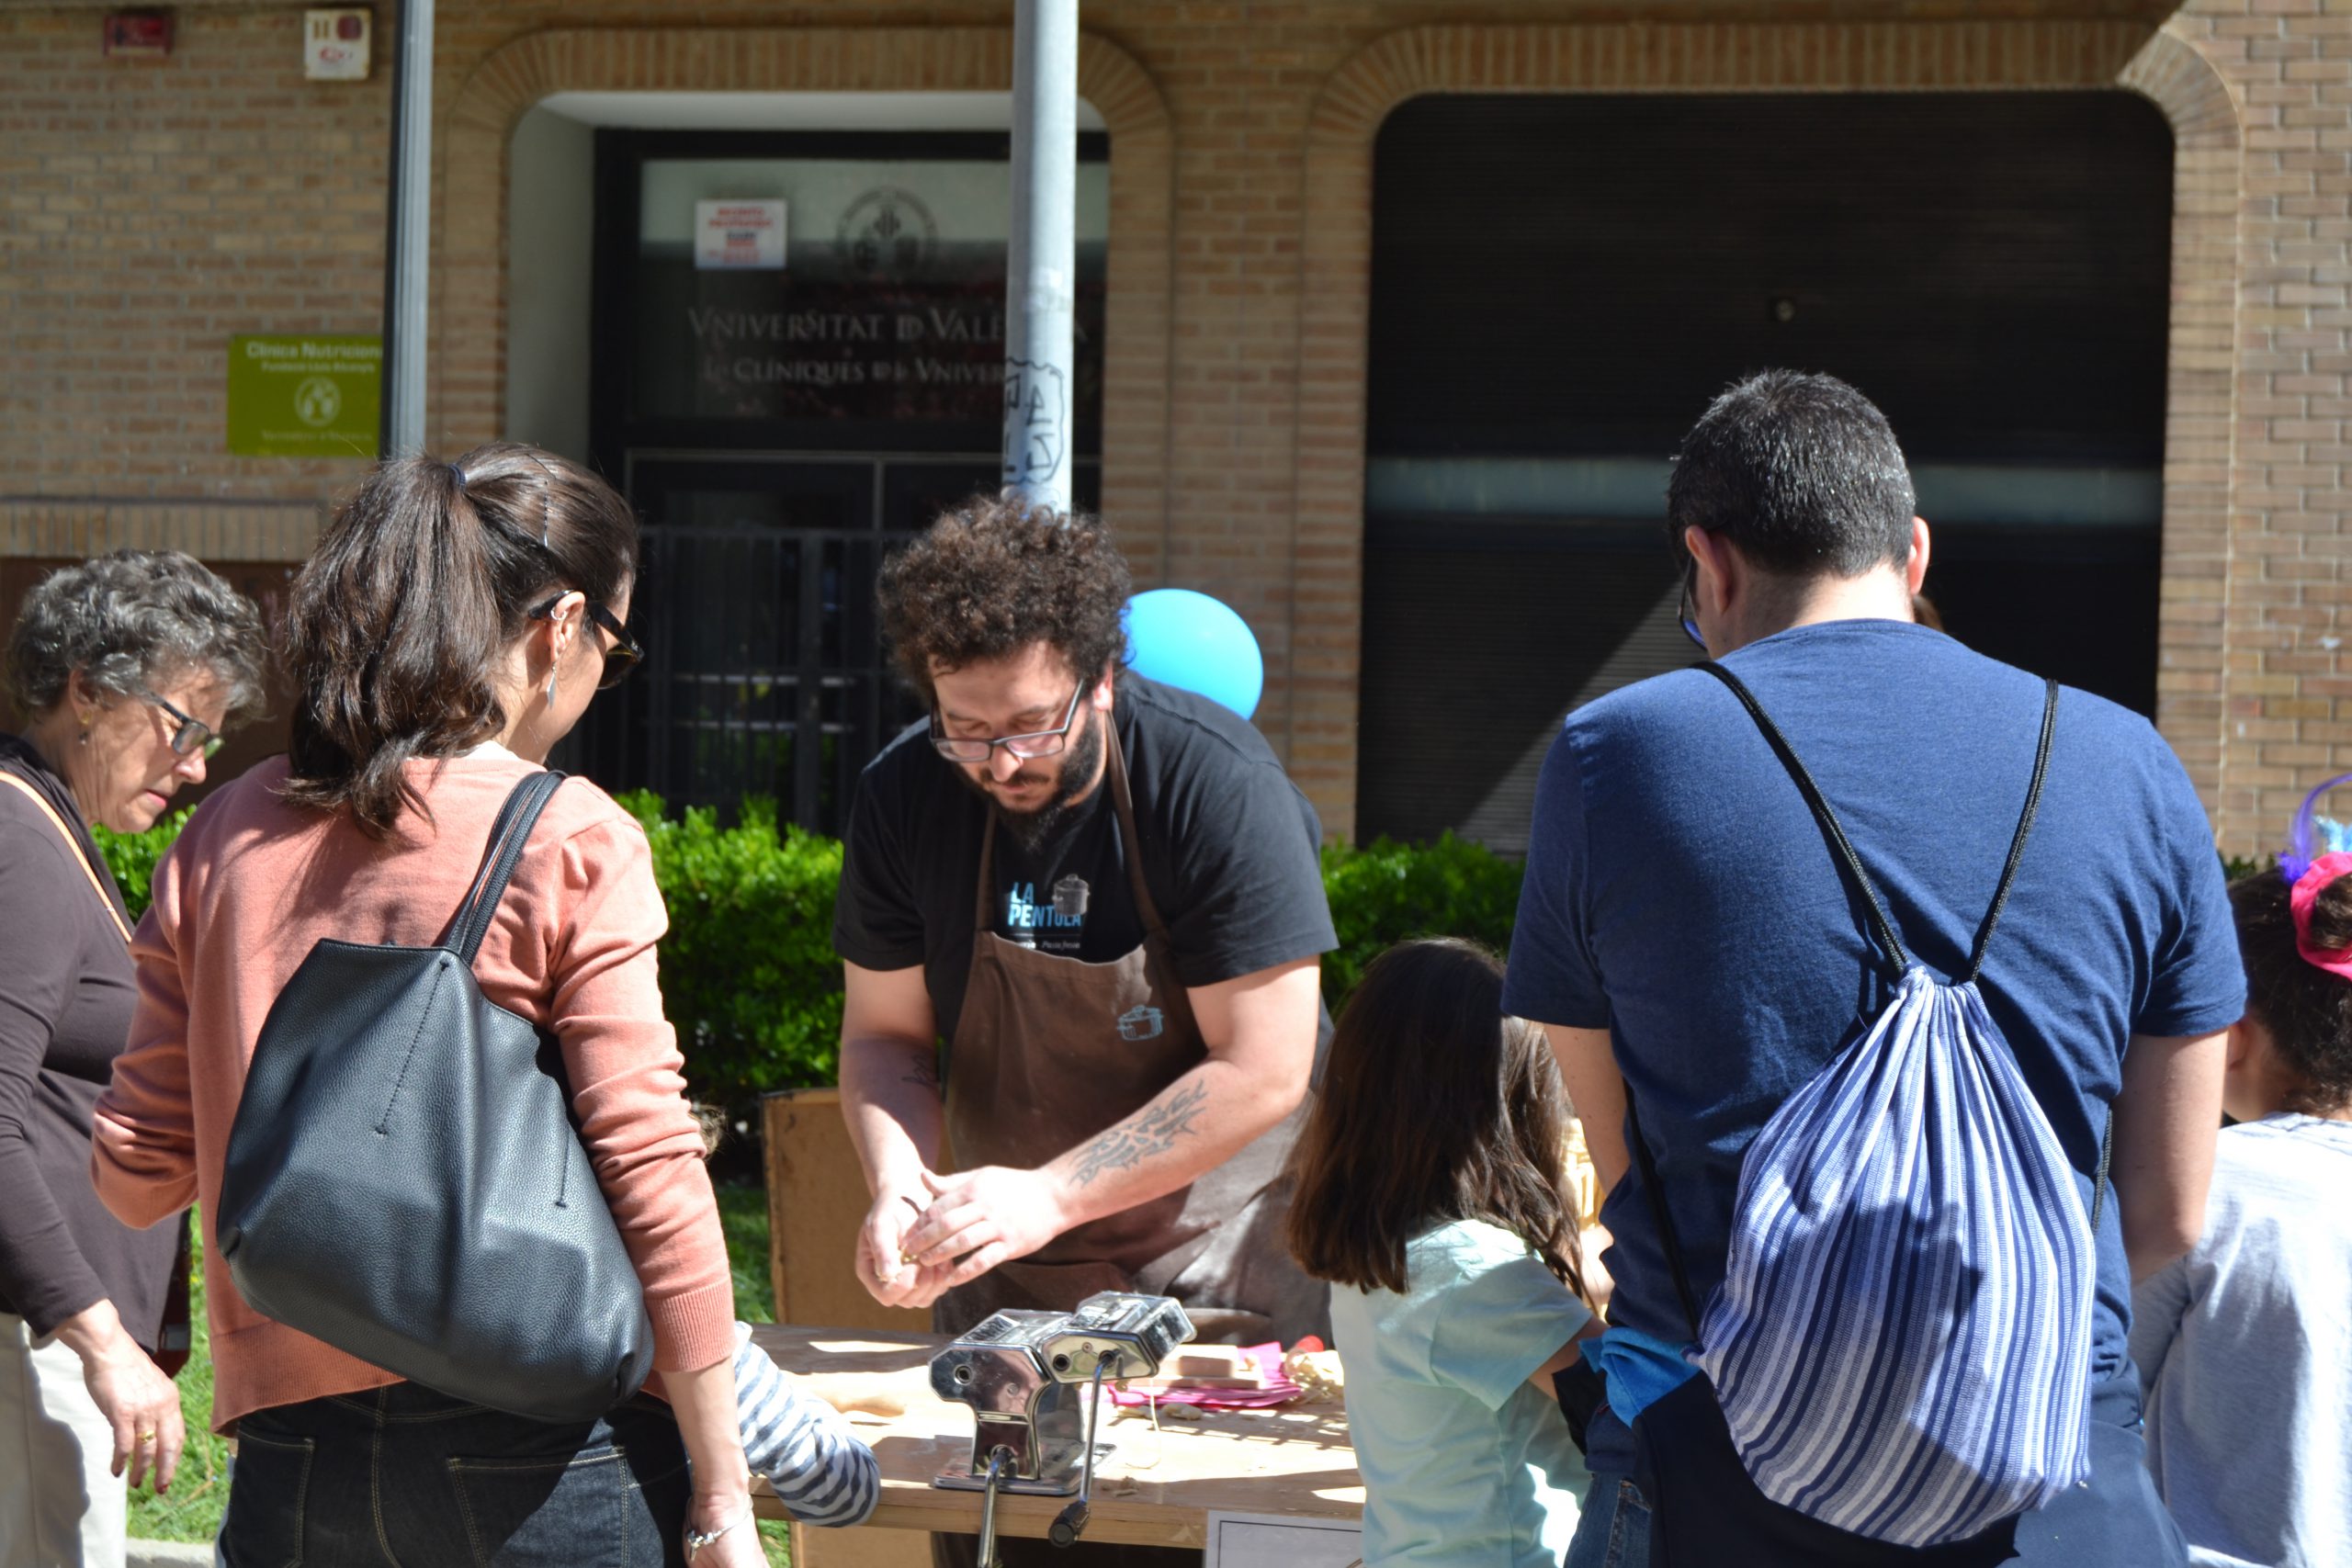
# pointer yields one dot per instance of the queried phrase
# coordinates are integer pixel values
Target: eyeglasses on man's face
(191, 734)
(1037, 743)
(1688, 612)
(623, 654)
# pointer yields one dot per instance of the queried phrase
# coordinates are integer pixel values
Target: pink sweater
(254, 883)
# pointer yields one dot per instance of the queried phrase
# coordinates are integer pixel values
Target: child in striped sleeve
(821, 1471)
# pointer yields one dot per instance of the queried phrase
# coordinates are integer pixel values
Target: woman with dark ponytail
(2244, 1345)
(453, 625)
(407, 624)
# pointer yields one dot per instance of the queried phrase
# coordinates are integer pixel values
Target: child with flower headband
(2244, 1345)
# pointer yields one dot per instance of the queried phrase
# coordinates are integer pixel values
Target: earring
(87, 720)
(550, 688)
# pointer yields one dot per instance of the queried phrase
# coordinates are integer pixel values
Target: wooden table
(1157, 1488)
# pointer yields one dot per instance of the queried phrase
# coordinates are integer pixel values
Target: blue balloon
(1183, 639)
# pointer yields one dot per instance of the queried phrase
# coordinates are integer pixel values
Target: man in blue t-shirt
(1687, 940)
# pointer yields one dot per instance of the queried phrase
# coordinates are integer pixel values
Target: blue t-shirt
(1680, 894)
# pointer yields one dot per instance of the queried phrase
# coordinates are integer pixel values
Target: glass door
(765, 673)
(798, 359)
(762, 666)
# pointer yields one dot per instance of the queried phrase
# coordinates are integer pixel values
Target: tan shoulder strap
(73, 848)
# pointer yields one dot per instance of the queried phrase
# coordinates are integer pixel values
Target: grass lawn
(192, 1510)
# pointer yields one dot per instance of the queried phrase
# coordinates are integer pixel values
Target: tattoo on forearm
(923, 1072)
(1153, 1132)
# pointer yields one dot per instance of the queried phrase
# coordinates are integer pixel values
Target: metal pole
(1041, 258)
(408, 239)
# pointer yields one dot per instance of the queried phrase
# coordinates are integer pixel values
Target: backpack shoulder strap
(2025, 830)
(1836, 832)
(2001, 900)
(2099, 1182)
(73, 847)
(508, 834)
(1662, 1216)
(1830, 826)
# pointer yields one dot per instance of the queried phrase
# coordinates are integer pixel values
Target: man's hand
(1258, 1033)
(978, 1219)
(882, 1250)
(890, 1102)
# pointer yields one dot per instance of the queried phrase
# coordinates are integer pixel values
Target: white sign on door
(748, 234)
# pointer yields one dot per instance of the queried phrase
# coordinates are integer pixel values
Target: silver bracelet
(696, 1540)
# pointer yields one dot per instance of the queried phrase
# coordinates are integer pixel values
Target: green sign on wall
(304, 397)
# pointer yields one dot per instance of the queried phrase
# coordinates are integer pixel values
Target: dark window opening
(1561, 283)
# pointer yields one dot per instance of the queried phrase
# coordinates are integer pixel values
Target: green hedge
(751, 980)
(1387, 892)
(748, 971)
(132, 856)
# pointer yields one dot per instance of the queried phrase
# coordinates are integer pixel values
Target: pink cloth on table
(1277, 1389)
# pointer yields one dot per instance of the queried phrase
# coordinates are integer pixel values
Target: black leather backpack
(404, 1181)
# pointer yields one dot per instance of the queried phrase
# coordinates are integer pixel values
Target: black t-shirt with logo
(1228, 850)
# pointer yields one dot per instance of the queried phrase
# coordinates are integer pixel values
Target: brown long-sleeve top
(65, 1003)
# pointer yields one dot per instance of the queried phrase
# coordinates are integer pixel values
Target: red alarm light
(144, 34)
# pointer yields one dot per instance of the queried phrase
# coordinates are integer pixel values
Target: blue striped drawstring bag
(1901, 1343)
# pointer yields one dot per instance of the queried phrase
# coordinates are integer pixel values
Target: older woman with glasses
(126, 668)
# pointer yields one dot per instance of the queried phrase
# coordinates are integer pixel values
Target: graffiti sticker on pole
(304, 397)
(1036, 423)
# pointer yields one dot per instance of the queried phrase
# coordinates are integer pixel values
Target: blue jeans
(1614, 1531)
(406, 1476)
(2111, 1520)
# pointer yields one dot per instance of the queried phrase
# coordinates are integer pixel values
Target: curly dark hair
(130, 620)
(995, 575)
(2307, 1009)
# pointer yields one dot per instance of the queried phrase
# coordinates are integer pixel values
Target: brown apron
(1050, 1051)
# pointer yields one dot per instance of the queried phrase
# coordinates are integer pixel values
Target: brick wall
(2285, 698)
(149, 210)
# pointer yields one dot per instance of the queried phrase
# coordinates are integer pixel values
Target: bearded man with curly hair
(1103, 894)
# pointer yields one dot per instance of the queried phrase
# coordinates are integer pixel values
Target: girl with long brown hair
(1432, 1193)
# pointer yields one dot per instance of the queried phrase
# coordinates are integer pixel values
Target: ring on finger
(144, 1436)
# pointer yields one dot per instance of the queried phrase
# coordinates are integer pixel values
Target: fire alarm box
(139, 34)
(334, 44)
